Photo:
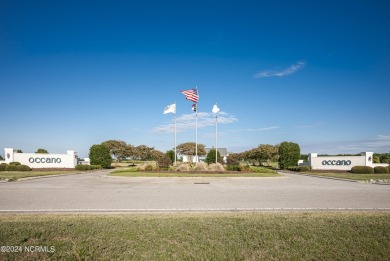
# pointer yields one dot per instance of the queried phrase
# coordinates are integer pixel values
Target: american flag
(191, 95)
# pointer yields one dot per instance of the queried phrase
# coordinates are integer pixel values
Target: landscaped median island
(198, 170)
(197, 236)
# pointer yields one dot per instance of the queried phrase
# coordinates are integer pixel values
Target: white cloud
(187, 121)
(281, 73)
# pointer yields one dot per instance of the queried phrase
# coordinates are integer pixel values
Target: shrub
(15, 163)
(11, 168)
(149, 167)
(87, 167)
(245, 168)
(292, 168)
(3, 166)
(233, 168)
(164, 162)
(304, 168)
(362, 170)
(100, 154)
(216, 167)
(23, 168)
(201, 166)
(381, 170)
(289, 154)
(262, 170)
(183, 167)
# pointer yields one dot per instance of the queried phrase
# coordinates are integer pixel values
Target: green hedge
(3, 166)
(381, 170)
(304, 168)
(11, 168)
(23, 168)
(362, 170)
(15, 163)
(233, 168)
(262, 170)
(87, 167)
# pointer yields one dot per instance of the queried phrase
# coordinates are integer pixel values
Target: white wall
(35, 160)
(339, 162)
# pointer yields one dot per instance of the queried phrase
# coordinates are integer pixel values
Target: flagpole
(196, 127)
(216, 137)
(175, 135)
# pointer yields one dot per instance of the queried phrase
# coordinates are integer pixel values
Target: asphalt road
(97, 192)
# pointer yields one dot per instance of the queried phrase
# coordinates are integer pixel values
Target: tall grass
(192, 236)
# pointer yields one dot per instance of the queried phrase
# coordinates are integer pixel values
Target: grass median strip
(196, 236)
(15, 175)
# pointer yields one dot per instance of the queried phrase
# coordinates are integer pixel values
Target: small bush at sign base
(381, 170)
(362, 170)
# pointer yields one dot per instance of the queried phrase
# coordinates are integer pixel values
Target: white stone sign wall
(36, 160)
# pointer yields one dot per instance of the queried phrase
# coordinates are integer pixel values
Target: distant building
(222, 152)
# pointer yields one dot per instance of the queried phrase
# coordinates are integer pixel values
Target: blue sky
(76, 73)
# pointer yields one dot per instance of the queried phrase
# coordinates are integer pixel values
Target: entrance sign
(39, 161)
(336, 162)
(341, 162)
(44, 160)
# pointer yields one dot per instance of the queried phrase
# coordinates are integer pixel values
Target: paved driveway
(98, 192)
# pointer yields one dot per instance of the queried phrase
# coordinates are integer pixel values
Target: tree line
(286, 154)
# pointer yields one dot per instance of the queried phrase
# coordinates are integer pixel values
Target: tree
(289, 154)
(234, 159)
(119, 149)
(42, 151)
(189, 149)
(251, 156)
(19, 151)
(1, 158)
(170, 154)
(268, 153)
(99, 154)
(143, 152)
(163, 161)
(210, 158)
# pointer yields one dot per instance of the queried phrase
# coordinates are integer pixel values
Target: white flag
(215, 109)
(170, 108)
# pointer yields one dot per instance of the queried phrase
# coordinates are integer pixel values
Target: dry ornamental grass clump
(183, 167)
(201, 166)
(216, 167)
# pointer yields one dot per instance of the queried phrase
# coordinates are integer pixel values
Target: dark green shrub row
(233, 168)
(262, 170)
(13, 167)
(3, 166)
(23, 168)
(381, 170)
(87, 167)
(362, 170)
(299, 168)
(15, 163)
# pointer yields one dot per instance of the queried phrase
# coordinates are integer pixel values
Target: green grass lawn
(15, 175)
(200, 236)
(358, 177)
